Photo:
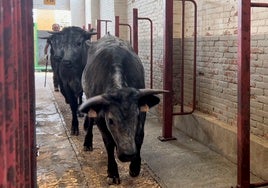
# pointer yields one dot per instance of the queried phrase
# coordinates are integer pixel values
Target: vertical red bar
(135, 30)
(29, 94)
(117, 26)
(243, 117)
(3, 156)
(98, 29)
(17, 105)
(168, 75)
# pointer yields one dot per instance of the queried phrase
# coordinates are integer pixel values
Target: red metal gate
(17, 97)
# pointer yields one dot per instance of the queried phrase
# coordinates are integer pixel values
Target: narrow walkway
(181, 163)
(57, 164)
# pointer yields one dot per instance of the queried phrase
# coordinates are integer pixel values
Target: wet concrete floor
(179, 163)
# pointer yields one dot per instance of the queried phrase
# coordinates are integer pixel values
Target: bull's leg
(135, 165)
(113, 175)
(80, 101)
(74, 107)
(88, 126)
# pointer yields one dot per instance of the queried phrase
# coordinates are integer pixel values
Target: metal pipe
(99, 27)
(151, 49)
(135, 30)
(259, 4)
(116, 26)
(243, 116)
(168, 73)
(182, 56)
(130, 31)
(194, 71)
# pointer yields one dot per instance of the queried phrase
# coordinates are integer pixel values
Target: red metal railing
(135, 40)
(168, 73)
(117, 24)
(182, 111)
(99, 27)
(17, 96)
(243, 116)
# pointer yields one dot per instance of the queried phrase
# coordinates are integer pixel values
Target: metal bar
(3, 158)
(262, 184)
(151, 49)
(194, 71)
(168, 73)
(243, 116)
(130, 31)
(29, 94)
(135, 30)
(266, 182)
(117, 30)
(117, 26)
(98, 29)
(88, 27)
(259, 4)
(18, 162)
(182, 56)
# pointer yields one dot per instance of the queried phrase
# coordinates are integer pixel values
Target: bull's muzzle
(126, 157)
(67, 63)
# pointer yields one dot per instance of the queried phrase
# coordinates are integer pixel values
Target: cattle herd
(111, 76)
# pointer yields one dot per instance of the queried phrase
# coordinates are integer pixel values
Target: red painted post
(117, 26)
(98, 29)
(243, 116)
(17, 104)
(168, 75)
(135, 30)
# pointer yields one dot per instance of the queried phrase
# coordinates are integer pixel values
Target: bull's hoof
(75, 133)
(114, 180)
(79, 114)
(88, 148)
(134, 169)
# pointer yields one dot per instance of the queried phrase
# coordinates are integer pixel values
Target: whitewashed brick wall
(60, 5)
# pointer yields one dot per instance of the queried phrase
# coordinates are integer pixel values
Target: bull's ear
(92, 113)
(89, 34)
(148, 101)
(94, 103)
(147, 96)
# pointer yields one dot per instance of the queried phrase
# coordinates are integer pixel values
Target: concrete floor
(178, 163)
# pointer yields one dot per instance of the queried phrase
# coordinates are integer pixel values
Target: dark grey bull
(113, 81)
(71, 52)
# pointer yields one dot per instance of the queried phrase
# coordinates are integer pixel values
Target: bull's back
(111, 63)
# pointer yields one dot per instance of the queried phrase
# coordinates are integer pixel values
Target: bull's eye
(111, 122)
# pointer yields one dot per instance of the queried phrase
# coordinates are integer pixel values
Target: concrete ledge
(221, 138)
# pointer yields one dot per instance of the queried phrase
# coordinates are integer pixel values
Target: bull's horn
(44, 37)
(93, 33)
(144, 92)
(54, 32)
(91, 102)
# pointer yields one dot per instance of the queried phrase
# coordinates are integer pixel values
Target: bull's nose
(67, 63)
(126, 157)
(57, 58)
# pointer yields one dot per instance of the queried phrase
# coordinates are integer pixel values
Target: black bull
(113, 81)
(70, 52)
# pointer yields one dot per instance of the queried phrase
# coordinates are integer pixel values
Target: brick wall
(154, 10)
(216, 56)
